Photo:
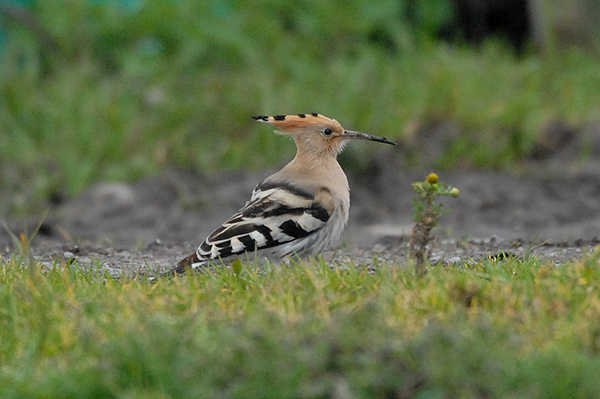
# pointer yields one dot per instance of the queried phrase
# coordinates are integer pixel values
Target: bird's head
(316, 133)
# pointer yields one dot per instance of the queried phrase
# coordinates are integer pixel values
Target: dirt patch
(158, 220)
(158, 257)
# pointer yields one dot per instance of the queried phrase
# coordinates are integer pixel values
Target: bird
(300, 210)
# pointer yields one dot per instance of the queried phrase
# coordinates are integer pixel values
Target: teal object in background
(8, 3)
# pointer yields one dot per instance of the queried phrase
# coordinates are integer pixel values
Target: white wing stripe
(259, 238)
(236, 245)
(258, 194)
(290, 199)
(309, 222)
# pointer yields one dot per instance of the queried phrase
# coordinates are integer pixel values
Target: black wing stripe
(318, 212)
(249, 242)
(285, 186)
(231, 231)
(218, 231)
(292, 229)
(205, 247)
(267, 210)
(223, 244)
(225, 252)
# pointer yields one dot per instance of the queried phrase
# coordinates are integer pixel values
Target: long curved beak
(350, 134)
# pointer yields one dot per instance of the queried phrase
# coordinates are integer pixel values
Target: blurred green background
(116, 90)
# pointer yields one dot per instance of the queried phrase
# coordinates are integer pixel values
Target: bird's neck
(318, 169)
(311, 161)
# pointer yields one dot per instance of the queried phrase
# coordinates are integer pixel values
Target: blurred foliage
(112, 90)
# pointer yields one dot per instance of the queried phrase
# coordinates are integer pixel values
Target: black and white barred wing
(274, 217)
(276, 222)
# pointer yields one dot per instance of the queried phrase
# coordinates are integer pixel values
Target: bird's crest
(287, 123)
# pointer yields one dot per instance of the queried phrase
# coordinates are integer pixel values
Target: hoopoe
(302, 209)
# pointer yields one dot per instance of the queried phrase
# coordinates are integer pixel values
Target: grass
(178, 85)
(508, 329)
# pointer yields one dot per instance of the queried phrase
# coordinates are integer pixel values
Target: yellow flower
(432, 178)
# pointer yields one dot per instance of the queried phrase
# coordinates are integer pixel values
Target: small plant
(22, 245)
(426, 217)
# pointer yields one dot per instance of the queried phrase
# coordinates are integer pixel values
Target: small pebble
(454, 259)
(154, 244)
(72, 249)
(434, 260)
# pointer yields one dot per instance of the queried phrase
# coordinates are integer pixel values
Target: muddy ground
(549, 208)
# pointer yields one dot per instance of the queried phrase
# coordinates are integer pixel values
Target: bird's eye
(327, 132)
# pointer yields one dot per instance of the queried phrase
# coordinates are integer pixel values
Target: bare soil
(550, 210)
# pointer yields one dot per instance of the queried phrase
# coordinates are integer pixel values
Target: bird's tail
(183, 266)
